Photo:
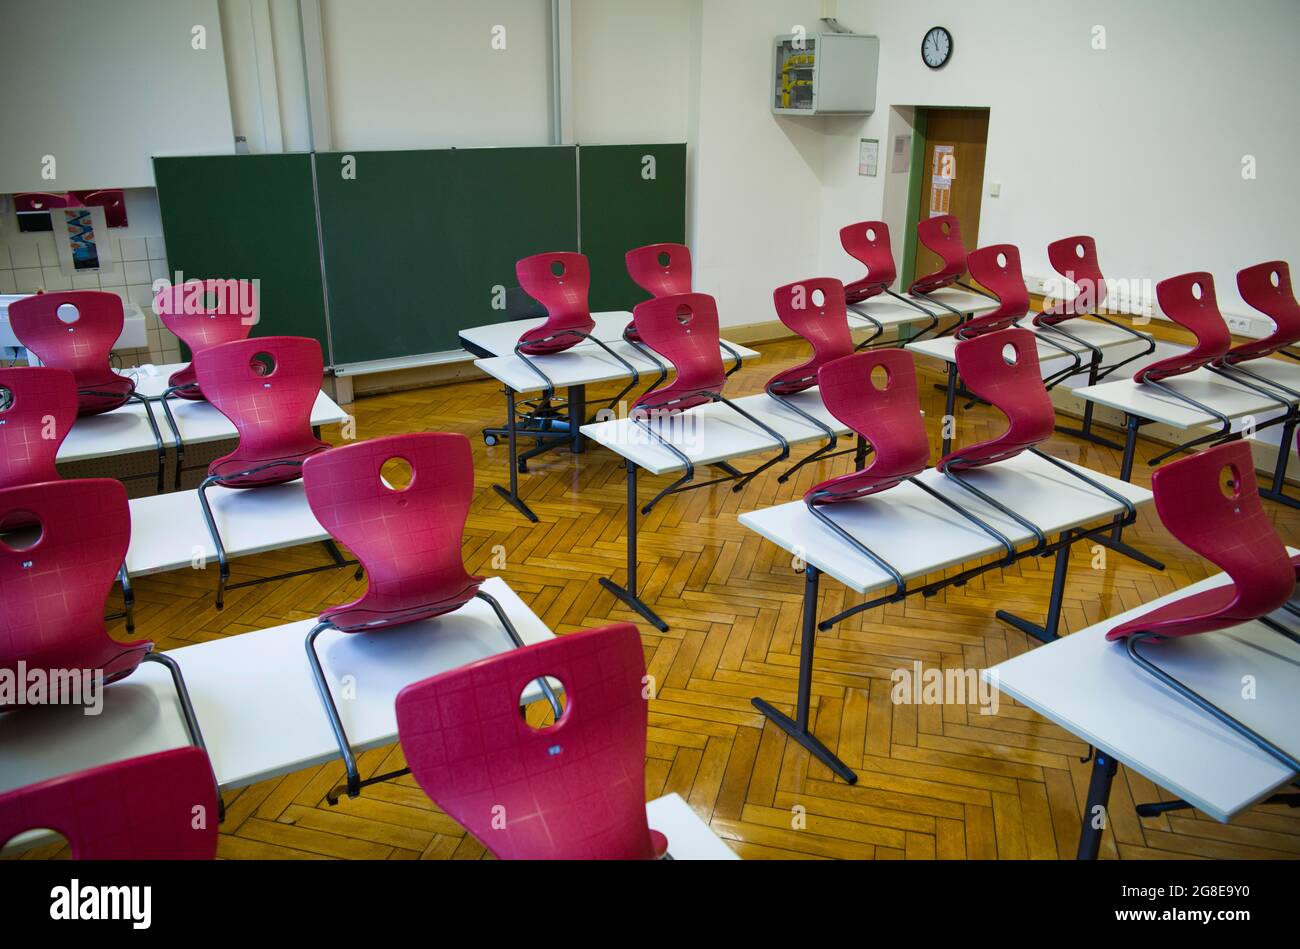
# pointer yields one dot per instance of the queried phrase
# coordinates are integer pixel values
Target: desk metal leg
(950, 401)
(1278, 491)
(1115, 541)
(1049, 632)
(577, 418)
(512, 441)
(628, 594)
(797, 728)
(1103, 775)
(1085, 431)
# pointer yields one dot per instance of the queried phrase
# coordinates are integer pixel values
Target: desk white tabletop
(1205, 387)
(1093, 689)
(715, 432)
(890, 311)
(500, 339)
(168, 531)
(919, 535)
(151, 379)
(585, 364)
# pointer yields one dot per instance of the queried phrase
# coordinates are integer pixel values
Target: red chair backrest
(941, 234)
(825, 326)
(997, 269)
(42, 201)
(204, 313)
(1232, 531)
(868, 242)
(52, 592)
(1002, 369)
(572, 791)
(81, 346)
(684, 330)
(266, 387)
(1075, 259)
(1276, 301)
(35, 417)
(560, 282)
(661, 270)
(145, 808)
(407, 539)
(1189, 301)
(887, 415)
(112, 200)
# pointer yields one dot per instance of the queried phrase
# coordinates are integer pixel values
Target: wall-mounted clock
(936, 47)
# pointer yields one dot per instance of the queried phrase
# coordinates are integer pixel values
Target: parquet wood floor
(936, 781)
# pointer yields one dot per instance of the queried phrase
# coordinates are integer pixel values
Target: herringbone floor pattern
(935, 781)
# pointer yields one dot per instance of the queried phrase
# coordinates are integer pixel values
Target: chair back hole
(664, 258)
(6, 399)
(557, 268)
(68, 313)
(20, 530)
(1002, 261)
(262, 364)
(945, 227)
(396, 474)
(1196, 290)
(818, 298)
(38, 842)
(1275, 279)
(684, 315)
(536, 708)
(871, 234)
(1230, 482)
(1010, 354)
(880, 378)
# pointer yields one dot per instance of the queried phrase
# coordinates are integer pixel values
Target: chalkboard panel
(248, 217)
(416, 242)
(624, 207)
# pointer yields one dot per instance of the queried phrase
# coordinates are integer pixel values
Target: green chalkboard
(250, 217)
(418, 243)
(624, 207)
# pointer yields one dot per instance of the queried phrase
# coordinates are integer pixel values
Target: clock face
(936, 47)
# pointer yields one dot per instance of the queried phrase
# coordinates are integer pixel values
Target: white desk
(256, 702)
(1094, 690)
(920, 536)
(133, 327)
(884, 311)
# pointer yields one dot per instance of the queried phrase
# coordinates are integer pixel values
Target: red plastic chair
(408, 540)
(112, 200)
(826, 328)
(35, 417)
(41, 201)
(1233, 532)
(184, 310)
(138, 809)
(81, 346)
(266, 387)
(560, 282)
(572, 791)
(942, 235)
(661, 270)
(1002, 369)
(1276, 301)
(868, 243)
(53, 587)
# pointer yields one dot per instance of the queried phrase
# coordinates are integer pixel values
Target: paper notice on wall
(942, 174)
(945, 162)
(80, 235)
(868, 157)
(902, 157)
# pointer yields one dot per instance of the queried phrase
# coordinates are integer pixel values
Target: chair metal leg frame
(223, 565)
(166, 398)
(1095, 373)
(187, 712)
(978, 292)
(880, 327)
(556, 708)
(1279, 628)
(1076, 366)
(1103, 776)
(961, 317)
(900, 584)
(831, 437)
(628, 594)
(1041, 538)
(1225, 424)
(1129, 514)
(153, 428)
(1267, 387)
(797, 727)
(128, 601)
(1204, 704)
(930, 314)
(649, 355)
(549, 386)
(1144, 337)
(735, 357)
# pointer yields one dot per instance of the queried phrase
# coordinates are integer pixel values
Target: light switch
(995, 189)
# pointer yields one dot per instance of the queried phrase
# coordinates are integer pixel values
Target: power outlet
(1241, 325)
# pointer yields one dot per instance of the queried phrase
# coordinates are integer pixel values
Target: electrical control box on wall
(824, 74)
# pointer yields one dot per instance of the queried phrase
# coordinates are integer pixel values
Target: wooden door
(955, 142)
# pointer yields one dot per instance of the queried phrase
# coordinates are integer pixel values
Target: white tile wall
(29, 262)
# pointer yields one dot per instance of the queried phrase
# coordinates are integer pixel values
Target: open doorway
(947, 177)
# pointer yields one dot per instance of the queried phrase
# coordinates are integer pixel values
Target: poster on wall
(942, 175)
(81, 236)
(868, 157)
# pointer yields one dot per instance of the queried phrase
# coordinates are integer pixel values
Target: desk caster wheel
(489, 440)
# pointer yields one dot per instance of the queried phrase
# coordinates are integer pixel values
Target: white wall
(103, 87)
(1139, 145)
(423, 73)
